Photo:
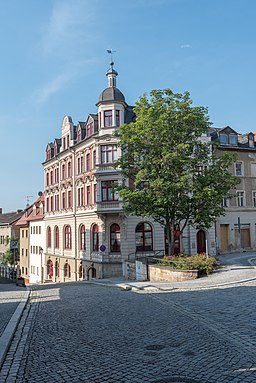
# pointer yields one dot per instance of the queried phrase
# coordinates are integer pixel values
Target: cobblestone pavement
(10, 296)
(91, 333)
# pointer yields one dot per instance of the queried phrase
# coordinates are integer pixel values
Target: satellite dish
(40, 194)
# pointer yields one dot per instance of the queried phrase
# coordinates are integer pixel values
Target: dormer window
(251, 140)
(68, 141)
(108, 118)
(64, 143)
(48, 154)
(233, 139)
(79, 135)
(89, 129)
(223, 139)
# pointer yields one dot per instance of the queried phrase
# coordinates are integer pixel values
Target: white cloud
(53, 86)
(184, 46)
(67, 26)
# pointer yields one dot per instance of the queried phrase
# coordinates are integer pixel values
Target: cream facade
(236, 230)
(88, 234)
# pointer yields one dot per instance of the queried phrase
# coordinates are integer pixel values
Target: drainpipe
(72, 150)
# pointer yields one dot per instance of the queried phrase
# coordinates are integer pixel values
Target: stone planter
(166, 274)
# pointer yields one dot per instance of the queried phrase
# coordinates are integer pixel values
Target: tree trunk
(169, 227)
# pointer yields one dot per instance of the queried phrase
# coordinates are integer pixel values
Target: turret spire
(111, 73)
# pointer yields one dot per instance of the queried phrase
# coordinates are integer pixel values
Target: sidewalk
(234, 268)
(13, 300)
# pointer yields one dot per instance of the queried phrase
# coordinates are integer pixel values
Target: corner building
(88, 234)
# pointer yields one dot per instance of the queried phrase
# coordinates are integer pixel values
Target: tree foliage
(174, 176)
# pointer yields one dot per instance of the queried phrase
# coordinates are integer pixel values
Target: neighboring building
(237, 229)
(88, 234)
(37, 263)
(23, 225)
(8, 230)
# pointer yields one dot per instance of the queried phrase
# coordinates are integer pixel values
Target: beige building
(88, 234)
(237, 229)
(23, 226)
(8, 231)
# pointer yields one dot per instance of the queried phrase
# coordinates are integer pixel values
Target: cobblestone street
(90, 333)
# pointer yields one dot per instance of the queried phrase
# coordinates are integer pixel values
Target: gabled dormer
(91, 125)
(251, 140)
(67, 133)
(49, 151)
(227, 136)
(80, 131)
(57, 145)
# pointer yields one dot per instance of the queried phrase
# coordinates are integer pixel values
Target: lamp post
(42, 267)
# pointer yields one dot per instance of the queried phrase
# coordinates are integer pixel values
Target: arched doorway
(91, 273)
(49, 269)
(201, 242)
(81, 272)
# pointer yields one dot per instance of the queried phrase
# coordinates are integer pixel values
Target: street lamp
(42, 267)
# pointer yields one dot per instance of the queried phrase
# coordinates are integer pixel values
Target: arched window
(82, 237)
(56, 237)
(67, 272)
(57, 269)
(144, 240)
(49, 237)
(95, 238)
(67, 237)
(114, 238)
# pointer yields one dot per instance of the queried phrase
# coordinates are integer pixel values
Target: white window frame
(242, 168)
(240, 198)
(254, 198)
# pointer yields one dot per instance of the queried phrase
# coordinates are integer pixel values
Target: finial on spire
(111, 73)
(111, 52)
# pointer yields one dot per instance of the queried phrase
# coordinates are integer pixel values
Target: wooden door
(201, 242)
(224, 229)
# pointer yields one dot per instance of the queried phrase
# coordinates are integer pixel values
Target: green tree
(8, 258)
(174, 176)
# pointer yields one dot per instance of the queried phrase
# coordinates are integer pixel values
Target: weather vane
(111, 52)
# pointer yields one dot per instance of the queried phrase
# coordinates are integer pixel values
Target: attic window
(233, 139)
(223, 138)
(89, 129)
(48, 154)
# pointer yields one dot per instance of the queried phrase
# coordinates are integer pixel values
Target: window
(82, 164)
(89, 129)
(51, 177)
(233, 139)
(93, 159)
(63, 200)
(68, 140)
(82, 237)
(52, 206)
(108, 118)
(48, 154)
(22, 233)
(107, 191)
(117, 117)
(67, 237)
(95, 238)
(254, 198)
(63, 171)
(240, 198)
(56, 200)
(115, 238)
(223, 138)
(143, 234)
(49, 237)
(56, 175)
(69, 169)
(94, 193)
(22, 252)
(67, 272)
(88, 195)
(69, 199)
(88, 162)
(47, 179)
(47, 204)
(108, 154)
(26, 252)
(224, 202)
(64, 143)
(79, 135)
(88, 165)
(253, 169)
(80, 196)
(238, 168)
(56, 237)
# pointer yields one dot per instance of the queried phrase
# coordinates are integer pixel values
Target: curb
(8, 333)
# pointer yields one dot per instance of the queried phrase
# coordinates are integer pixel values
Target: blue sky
(54, 60)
